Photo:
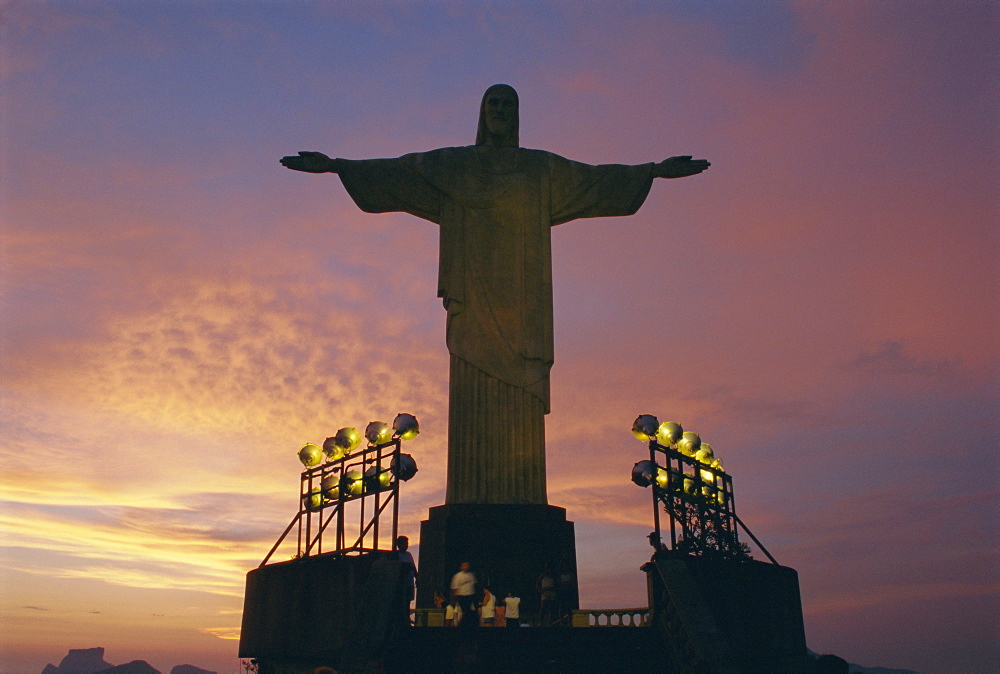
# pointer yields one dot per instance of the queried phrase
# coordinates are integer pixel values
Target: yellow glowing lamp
(707, 476)
(662, 478)
(704, 454)
(314, 499)
(378, 433)
(689, 486)
(669, 433)
(310, 455)
(376, 480)
(333, 451)
(331, 487)
(405, 426)
(347, 439)
(689, 443)
(644, 427)
(352, 483)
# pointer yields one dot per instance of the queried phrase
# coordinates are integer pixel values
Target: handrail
(626, 617)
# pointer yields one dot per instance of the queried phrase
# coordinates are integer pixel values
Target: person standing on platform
(513, 605)
(546, 586)
(463, 589)
(487, 608)
(409, 569)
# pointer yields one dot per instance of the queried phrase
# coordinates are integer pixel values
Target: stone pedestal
(508, 545)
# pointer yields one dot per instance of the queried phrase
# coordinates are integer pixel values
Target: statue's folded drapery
(495, 207)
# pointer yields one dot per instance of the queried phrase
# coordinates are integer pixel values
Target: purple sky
(180, 313)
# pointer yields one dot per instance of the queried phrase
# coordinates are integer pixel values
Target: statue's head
(499, 120)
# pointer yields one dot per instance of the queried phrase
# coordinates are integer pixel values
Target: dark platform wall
(312, 609)
(508, 545)
(754, 606)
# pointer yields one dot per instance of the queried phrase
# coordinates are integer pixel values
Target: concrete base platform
(508, 546)
(498, 649)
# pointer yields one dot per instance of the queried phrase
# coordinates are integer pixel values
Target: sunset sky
(179, 313)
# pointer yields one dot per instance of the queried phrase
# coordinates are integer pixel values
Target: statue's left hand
(679, 167)
(310, 162)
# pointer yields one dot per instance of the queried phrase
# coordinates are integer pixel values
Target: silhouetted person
(546, 586)
(408, 579)
(659, 550)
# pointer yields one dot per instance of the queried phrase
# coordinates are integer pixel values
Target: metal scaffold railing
(351, 489)
(690, 484)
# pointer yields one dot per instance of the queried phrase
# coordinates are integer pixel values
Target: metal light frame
(314, 519)
(701, 505)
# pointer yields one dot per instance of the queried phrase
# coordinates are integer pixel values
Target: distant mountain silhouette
(91, 661)
(80, 661)
(134, 667)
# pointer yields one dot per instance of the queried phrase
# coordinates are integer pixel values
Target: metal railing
(611, 617)
(594, 617)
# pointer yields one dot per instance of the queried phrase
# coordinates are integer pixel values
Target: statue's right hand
(310, 162)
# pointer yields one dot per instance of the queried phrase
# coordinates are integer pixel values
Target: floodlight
(331, 486)
(352, 483)
(669, 433)
(378, 433)
(405, 426)
(705, 454)
(689, 443)
(310, 455)
(645, 426)
(643, 473)
(405, 469)
(347, 439)
(314, 499)
(377, 480)
(333, 451)
(662, 478)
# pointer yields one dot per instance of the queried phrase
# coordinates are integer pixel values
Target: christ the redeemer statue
(495, 203)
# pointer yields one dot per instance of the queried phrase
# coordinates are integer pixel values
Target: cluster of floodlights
(339, 484)
(672, 435)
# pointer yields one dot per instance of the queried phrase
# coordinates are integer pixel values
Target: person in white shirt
(513, 605)
(487, 608)
(463, 588)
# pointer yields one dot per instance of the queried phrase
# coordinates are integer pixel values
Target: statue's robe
(495, 207)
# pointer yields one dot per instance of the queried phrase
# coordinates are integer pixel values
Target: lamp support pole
(656, 493)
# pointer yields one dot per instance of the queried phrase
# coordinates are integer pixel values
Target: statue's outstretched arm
(677, 167)
(310, 162)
